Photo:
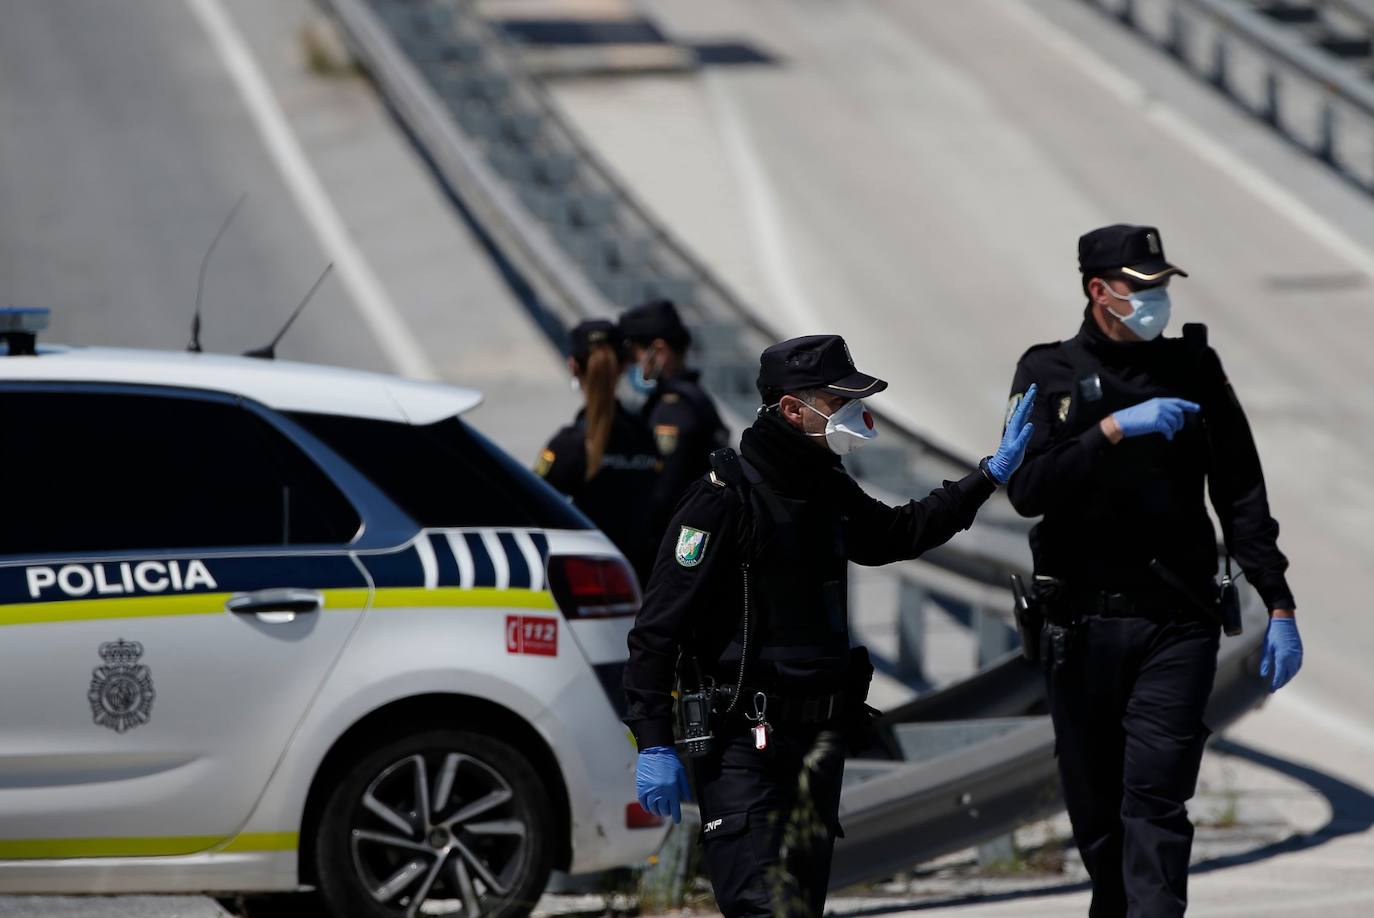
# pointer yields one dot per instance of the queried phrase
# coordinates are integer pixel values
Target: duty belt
(790, 708)
(1153, 604)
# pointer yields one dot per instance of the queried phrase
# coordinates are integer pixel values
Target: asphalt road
(124, 148)
(126, 141)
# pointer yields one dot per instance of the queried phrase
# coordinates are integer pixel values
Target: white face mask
(848, 429)
(1149, 311)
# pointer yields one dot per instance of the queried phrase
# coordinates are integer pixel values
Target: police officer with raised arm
(1129, 428)
(746, 612)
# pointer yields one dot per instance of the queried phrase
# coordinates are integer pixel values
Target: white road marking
(467, 570)
(1302, 706)
(1258, 183)
(394, 337)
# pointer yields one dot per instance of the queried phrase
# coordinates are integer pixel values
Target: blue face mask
(1150, 311)
(639, 383)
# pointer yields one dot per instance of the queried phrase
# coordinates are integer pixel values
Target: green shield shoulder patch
(691, 546)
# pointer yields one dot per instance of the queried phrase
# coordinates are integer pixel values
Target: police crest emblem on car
(691, 546)
(121, 693)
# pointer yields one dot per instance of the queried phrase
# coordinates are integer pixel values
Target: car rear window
(445, 474)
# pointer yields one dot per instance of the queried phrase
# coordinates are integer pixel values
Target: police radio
(694, 712)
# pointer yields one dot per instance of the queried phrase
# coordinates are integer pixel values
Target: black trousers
(1127, 703)
(770, 818)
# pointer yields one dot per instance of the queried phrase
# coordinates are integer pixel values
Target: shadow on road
(1352, 812)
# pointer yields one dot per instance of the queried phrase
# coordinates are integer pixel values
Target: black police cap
(586, 335)
(655, 319)
(1134, 252)
(813, 362)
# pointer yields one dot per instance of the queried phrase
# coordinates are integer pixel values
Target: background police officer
(1128, 428)
(605, 460)
(678, 412)
(750, 588)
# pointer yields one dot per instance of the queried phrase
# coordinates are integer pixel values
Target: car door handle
(280, 604)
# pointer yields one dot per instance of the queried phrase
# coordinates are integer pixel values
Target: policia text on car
(746, 611)
(1129, 426)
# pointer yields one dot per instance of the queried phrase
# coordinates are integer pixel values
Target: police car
(266, 626)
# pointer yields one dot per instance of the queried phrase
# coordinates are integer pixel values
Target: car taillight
(636, 817)
(590, 587)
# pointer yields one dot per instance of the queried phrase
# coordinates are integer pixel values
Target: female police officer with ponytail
(606, 460)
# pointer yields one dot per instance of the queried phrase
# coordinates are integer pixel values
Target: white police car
(266, 626)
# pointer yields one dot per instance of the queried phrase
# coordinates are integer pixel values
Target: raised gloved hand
(1008, 457)
(1156, 416)
(1282, 651)
(661, 782)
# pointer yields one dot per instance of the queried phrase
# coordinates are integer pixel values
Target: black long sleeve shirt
(687, 429)
(619, 497)
(699, 603)
(1108, 510)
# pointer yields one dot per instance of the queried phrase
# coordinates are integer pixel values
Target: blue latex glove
(1157, 416)
(661, 782)
(1282, 652)
(1008, 457)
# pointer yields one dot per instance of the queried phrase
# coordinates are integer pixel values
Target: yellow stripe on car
(22, 849)
(77, 610)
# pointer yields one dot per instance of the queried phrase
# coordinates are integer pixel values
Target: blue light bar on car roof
(19, 327)
(24, 319)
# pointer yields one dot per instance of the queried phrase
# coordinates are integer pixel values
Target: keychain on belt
(761, 727)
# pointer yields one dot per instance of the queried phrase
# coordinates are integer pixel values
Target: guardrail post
(1326, 141)
(1000, 852)
(1176, 42)
(1271, 98)
(1220, 53)
(994, 637)
(911, 631)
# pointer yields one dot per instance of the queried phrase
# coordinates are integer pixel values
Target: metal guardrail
(591, 246)
(1313, 98)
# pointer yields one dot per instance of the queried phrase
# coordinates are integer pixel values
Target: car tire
(485, 846)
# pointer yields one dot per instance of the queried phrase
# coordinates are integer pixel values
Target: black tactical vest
(798, 588)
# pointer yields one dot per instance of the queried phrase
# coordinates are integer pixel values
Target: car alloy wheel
(434, 821)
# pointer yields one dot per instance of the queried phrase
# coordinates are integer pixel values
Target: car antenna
(194, 345)
(270, 351)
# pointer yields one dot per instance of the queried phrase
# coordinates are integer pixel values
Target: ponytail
(600, 372)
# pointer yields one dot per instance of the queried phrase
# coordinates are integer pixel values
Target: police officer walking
(605, 460)
(747, 611)
(678, 412)
(1129, 427)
